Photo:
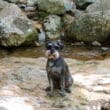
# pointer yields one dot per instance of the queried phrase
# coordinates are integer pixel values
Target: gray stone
(23, 80)
(31, 2)
(14, 103)
(52, 25)
(55, 6)
(3, 4)
(91, 27)
(17, 1)
(16, 29)
(95, 43)
(68, 19)
(99, 5)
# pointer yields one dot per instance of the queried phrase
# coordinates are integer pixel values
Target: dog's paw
(62, 93)
(48, 88)
(50, 94)
(68, 90)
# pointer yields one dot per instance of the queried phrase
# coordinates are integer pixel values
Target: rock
(82, 4)
(28, 2)
(26, 77)
(16, 1)
(68, 19)
(52, 26)
(14, 103)
(90, 27)
(99, 6)
(31, 2)
(105, 49)
(29, 8)
(24, 81)
(95, 43)
(10, 90)
(55, 6)
(105, 105)
(37, 16)
(3, 4)
(78, 13)
(16, 29)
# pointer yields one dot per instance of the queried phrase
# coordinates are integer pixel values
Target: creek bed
(69, 51)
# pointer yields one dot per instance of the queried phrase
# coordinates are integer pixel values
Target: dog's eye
(56, 47)
(49, 46)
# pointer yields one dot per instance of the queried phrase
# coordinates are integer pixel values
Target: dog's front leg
(62, 83)
(50, 93)
(48, 88)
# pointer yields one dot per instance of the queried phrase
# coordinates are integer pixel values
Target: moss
(31, 36)
(18, 40)
(42, 15)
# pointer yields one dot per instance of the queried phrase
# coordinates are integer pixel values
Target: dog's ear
(61, 45)
(48, 45)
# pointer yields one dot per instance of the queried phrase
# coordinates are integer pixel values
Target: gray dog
(58, 73)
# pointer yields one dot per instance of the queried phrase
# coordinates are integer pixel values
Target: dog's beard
(53, 56)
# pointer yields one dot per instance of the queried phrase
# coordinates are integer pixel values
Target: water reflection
(77, 52)
(41, 37)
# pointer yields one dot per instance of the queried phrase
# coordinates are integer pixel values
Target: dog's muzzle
(50, 54)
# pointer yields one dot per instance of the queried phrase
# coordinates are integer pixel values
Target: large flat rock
(23, 82)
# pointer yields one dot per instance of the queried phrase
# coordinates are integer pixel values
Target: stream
(69, 51)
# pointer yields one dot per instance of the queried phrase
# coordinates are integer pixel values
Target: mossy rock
(18, 40)
(16, 29)
(90, 27)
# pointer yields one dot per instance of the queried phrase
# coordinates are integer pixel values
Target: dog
(58, 73)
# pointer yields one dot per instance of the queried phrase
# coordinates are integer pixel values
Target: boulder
(90, 27)
(31, 2)
(16, 1)
(15, 28)
(52, 26)
(3, 4)
(99, 6)
(55, 6)
(23, 82)
(68, 19)
(28, 2)
(15, 103)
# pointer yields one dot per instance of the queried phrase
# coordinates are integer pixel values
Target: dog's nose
(52, 50)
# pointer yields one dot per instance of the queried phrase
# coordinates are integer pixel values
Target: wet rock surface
(23, 82)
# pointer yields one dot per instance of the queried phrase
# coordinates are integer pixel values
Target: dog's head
(53, 48)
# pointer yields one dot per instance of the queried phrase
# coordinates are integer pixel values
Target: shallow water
(77, 52)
